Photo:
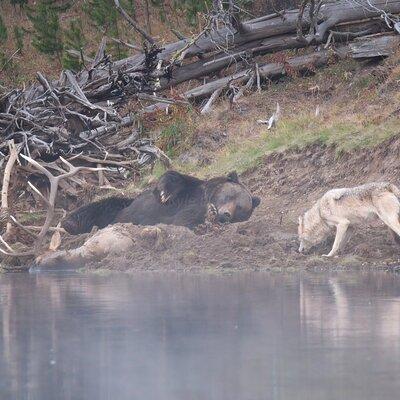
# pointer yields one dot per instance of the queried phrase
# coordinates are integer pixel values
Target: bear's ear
(255, 201)
(233, 177)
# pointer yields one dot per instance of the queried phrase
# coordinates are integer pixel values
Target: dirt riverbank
(288, 184)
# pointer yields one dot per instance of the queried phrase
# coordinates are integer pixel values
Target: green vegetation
(51, 31)
(3, 61)
(7, 65)
(194, 8)
(172, 136)
(74, 39)
(19, 34)
(21, 3)
(47, 33)
(297, 132)
(105, 17)
(3, 30)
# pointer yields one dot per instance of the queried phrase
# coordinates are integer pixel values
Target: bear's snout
(225, 217)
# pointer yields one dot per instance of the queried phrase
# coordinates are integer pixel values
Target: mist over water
(247, 336)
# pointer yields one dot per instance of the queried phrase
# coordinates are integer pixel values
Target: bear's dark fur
(176, 199)
(100, 213)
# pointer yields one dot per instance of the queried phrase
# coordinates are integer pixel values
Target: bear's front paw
(212, 213)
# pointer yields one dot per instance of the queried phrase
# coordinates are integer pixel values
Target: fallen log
(384, 44)
(330, 14)
(91, 134)
(248, 51)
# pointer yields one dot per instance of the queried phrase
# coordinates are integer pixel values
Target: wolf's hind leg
(340, 237)
(392, 222)
(388, 209)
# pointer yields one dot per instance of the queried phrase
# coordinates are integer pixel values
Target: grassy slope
(358, 107)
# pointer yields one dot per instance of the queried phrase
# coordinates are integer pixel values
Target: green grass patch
(296, 133)
(172, 137)
(31, 218)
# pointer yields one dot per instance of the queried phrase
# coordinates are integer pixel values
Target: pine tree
(47, 33)
(105, 16)
(73, 39)
(192, 8)
(3, 30)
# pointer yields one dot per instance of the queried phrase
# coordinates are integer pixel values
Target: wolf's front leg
(341, 230)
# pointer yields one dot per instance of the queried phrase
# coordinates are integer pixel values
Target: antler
(14, 151)
(54, 182)
(50, 202)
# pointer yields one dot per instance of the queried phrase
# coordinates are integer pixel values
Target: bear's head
(232, 200)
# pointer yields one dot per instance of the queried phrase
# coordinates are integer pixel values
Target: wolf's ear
(255, 200)
(233, 177)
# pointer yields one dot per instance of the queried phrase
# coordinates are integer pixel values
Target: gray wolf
(340, 208)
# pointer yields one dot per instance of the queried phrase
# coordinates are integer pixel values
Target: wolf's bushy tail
(100, 213)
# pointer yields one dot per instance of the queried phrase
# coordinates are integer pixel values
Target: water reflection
(246, 336)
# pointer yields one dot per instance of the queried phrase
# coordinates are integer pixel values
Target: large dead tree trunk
(331, 14)
(375, 47)
(246, 52)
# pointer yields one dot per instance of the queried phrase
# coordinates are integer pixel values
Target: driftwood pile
(80, 122)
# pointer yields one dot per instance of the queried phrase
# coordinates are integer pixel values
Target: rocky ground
(288, 183)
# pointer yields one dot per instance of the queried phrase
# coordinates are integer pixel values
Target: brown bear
(176, 199)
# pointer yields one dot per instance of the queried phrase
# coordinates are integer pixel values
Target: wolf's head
(312, 230)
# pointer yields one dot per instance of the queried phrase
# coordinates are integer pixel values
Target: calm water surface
(248, 337)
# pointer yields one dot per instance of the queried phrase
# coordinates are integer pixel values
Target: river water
(249, 336)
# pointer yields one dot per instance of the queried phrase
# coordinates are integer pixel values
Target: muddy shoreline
(288, 183)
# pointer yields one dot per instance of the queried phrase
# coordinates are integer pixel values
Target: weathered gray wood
(381, 46)
(90, 135)
(208, 106)
(208, 66)
(77, 54)
(331, 14)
